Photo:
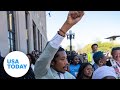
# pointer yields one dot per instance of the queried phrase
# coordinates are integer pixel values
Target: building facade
(22, 31)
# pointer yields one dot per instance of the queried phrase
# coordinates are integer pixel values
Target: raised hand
(74, 17)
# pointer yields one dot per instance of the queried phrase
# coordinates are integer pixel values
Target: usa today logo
(16, 64)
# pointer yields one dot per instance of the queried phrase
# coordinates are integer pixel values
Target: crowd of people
(55, 63)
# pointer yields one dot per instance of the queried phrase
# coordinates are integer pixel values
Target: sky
(94, 26)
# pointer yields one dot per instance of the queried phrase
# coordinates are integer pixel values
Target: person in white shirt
(53, 64)
(104, 72)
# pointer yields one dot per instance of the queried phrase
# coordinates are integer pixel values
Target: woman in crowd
(85, 71)
(74, 65)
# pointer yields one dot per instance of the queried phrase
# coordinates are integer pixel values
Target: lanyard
(118, 64)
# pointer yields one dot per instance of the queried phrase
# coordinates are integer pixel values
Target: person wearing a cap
(104, 72)
(99, 59)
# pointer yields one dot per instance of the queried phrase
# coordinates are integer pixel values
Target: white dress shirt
(56, 41)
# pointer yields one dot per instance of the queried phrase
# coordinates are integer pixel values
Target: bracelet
(62, 31)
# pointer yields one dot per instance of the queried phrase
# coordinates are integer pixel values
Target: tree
(102, 46)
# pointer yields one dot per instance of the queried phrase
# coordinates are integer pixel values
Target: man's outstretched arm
(43, 63)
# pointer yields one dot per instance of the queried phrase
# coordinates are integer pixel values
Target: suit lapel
(55, 74)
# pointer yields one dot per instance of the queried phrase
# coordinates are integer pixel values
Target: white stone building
(22, 31)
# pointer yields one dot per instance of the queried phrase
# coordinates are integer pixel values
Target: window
(39, 40)
(34, 36)
(11, 31)
(27, 28)
(26, 19)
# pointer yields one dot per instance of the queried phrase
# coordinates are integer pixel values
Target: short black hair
(97, 55)
(114, 49)
(95, 44)
(56, 55)
(72, 58)
(32, 58)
